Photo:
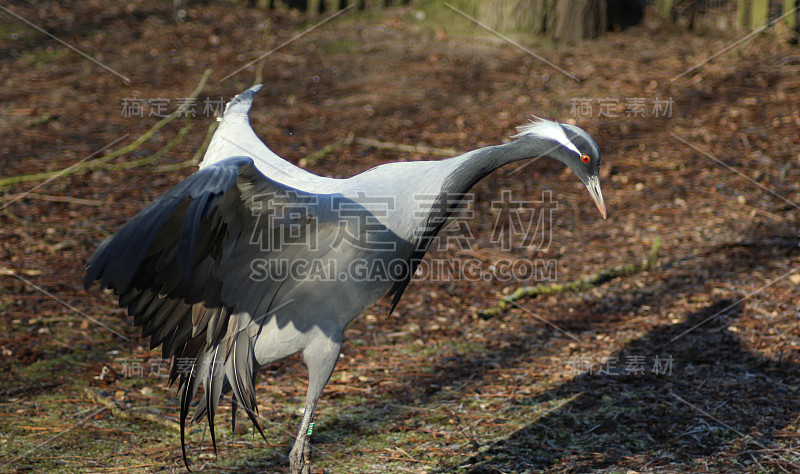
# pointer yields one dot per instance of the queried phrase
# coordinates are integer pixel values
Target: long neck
(462, 172)
(476, 165)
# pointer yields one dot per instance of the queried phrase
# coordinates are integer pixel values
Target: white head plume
(548, 130)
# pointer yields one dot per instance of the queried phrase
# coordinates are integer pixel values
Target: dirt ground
(692, 365)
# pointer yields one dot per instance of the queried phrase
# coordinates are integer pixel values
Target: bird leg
(300, 457)
(321, 359)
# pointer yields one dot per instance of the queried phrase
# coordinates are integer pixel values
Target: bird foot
(300, 459)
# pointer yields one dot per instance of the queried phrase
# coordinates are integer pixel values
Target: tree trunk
(579, 19)
(566, 20)
(529, 16)
(791, 18)
(759, 14)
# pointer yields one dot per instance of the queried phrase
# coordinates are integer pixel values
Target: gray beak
(593, 185)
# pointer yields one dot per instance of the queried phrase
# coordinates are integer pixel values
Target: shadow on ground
(695, 392)
(681, 391)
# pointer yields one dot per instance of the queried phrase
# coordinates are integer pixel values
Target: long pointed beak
(594, 189)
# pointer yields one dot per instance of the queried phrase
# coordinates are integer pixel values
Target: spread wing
(187, 268)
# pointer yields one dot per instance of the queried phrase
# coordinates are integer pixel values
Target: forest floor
(691, 365)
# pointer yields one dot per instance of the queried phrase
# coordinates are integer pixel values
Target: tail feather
(189, 384)
(234, 407)
(241, 375)
(221, 368)
(213, 387)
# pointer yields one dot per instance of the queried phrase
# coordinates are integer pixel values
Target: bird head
(571, 146)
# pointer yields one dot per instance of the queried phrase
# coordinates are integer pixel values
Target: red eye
(585, 158)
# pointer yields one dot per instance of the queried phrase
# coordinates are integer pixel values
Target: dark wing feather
(114, 259)
(182, 267)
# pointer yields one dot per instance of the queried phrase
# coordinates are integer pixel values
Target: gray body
(192, 266)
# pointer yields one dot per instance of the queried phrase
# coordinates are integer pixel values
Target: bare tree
(566, 20)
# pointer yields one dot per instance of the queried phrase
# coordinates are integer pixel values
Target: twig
(407, 148)
(194, 160)
(120, 411)
(42, 119)
(596, 279)
(46, 197)
(408, 456)
(12, 272)
(89, 165)
(470, 436)
(155, 156)
(260, 67)
(326, 150)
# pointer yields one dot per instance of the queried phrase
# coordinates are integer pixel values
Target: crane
(252, 259)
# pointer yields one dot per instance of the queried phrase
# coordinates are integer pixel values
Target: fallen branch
(155, 156)
(591, 281)
(122, 412)
(407, 148)
(260, 67)
(93, 164)
(195, 160)
(12, 272)
(47, 197)
(326, 150)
